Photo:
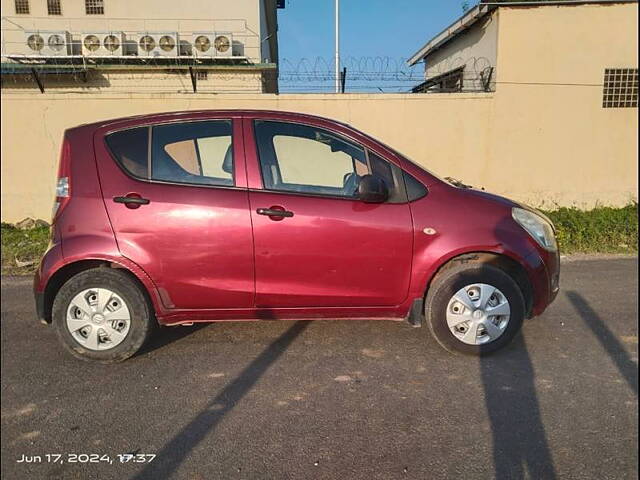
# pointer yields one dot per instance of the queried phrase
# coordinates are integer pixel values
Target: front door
(316, 244)
(177, 200)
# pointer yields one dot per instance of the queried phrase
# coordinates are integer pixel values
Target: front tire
(102, 315)
(474, 309)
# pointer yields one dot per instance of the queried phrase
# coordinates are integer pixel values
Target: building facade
(532, 42)
(140, 46)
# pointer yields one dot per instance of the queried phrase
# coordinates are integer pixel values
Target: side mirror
(372, 189)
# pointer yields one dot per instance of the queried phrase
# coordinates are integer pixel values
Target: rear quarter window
(131, 148)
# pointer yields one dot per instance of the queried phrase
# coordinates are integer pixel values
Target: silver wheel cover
(98, 319)
(478, 314)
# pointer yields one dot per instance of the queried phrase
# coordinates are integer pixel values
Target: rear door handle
(277, 212)
(132, 201)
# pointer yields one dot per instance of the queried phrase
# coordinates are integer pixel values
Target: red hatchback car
(207, 216)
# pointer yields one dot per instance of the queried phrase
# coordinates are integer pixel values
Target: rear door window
(196, 153)
(193, 153)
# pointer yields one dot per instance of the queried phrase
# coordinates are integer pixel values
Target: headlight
(537, 226)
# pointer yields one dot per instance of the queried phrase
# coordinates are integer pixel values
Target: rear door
(327, 249)
(177, 200)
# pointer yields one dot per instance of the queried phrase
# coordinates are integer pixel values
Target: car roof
(188, 114)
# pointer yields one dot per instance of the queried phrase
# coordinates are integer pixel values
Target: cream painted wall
(572, 44)
(309, 162)
(212, 152)
(477, 138)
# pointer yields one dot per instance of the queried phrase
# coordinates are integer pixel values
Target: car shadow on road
(520, 447)
(165, 335)
(616, 351)
(176, 450)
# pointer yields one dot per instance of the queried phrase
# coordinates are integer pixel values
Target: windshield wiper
(457, 183)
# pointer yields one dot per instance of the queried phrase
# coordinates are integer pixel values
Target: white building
(141, 45)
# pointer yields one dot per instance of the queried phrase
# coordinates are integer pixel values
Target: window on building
(54, 7)
(202, 75)
(451, 81)
(22, 6)
(620, 88)
(94, 7)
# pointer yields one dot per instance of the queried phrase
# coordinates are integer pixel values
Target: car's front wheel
(102, 315)
(474, 308)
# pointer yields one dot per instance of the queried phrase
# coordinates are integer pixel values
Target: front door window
(310, 160)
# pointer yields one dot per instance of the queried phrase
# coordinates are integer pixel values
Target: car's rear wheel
(474, 308)
(102, 315)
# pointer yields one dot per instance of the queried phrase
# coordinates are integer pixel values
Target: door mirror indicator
(372, 189)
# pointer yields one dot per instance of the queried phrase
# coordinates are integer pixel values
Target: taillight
(62, 189)
(63, 192)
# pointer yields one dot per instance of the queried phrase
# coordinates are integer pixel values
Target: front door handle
(132, 200)
(275, 213)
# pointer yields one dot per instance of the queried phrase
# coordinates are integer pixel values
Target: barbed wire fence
(172, 75)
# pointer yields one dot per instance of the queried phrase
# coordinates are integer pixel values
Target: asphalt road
(304, 400)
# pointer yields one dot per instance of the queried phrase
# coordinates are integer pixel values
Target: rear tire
(102, 315)
(469, 282)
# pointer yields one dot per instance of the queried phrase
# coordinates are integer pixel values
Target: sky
(376, 38)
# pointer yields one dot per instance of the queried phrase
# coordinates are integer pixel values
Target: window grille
(54, 7)
(94, 7)
(22, 6)
(451, 81)
(620, 88)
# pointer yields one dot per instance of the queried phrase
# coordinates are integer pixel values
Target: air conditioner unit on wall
(223, 44)
(48, 43)
(102, 44)
(157, 44)
(203, 44)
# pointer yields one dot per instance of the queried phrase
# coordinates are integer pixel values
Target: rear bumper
(48, 264)
(38, 296)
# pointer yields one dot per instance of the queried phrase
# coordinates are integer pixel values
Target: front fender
(428, 261)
